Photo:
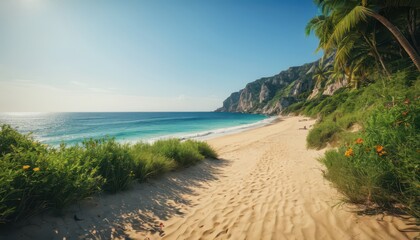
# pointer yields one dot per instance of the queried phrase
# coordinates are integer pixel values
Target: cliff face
(271, 95)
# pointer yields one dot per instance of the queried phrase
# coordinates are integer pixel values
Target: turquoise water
(54, 128)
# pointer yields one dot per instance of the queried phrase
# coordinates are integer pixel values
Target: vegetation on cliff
(35, 177)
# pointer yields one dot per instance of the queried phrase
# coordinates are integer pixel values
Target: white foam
(209, 134)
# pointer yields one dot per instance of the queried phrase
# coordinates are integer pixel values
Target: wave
(143, 121)
(205, 135)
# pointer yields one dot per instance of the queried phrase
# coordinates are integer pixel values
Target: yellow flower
(359, 141)
(382, 153)
(349, 152)
(26, 167)
(36, 169)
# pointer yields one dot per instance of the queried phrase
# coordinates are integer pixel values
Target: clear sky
(144, 55)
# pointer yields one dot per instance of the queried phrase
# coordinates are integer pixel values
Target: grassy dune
(379, 165)
(36, 177)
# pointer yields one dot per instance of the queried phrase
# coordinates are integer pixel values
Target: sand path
(267, 185)
(273, 188)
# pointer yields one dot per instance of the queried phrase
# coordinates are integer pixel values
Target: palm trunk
(400, 38)
(412, 28)
(377, 55)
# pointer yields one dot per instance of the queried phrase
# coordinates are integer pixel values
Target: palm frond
(349, 21)
(344, 49)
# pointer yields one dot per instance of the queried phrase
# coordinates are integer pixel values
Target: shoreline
(212, 133)
(266, 185)
(132, 136)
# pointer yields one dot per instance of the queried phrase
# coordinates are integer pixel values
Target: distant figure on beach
(304, 128)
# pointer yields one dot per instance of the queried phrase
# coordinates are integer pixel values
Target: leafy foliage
(366, 37)
(347, 107)
(381, 167)
(35, 177)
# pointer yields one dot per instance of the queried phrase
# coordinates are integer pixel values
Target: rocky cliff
(270, 95)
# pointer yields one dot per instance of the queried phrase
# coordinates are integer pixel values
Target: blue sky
(185, 55)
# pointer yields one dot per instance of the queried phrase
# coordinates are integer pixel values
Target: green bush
(11, 140)
(168, 148)
(115, 164)
(382, 166)
(148, 163)
(319, 136)
(70, 176)
(184, 153)
(188, 154)
(347, 107)
(35, 177)
(203, 148)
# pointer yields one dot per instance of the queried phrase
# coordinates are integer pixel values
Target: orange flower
(405, 113)
(379, 148)
(26, 167)
(349, 152)
(359, 141)
(36, 169)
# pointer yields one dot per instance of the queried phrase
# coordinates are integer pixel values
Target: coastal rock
(330, 89)
(270, 95)
(231, 103)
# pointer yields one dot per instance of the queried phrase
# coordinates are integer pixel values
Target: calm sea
(54, 128)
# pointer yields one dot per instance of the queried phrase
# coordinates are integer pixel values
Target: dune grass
(379, 165)
(336, 114)
(36, 177)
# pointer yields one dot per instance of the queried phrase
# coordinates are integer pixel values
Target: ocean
(73, 128)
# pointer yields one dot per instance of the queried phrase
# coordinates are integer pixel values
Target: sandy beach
(266, 185)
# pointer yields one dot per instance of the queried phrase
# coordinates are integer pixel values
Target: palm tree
(322, 26)
(321, 73)
(352, 49)
(352, 12)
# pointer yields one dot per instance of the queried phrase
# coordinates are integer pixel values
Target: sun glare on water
(24, 114)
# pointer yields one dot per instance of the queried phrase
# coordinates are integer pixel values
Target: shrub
(149, 164)
(382, 166)
(188, 154)
(349, 106)
(10, 140)
(168, 148)
(203, 148)
(323, 133)
(35, 177)
(115, 164)
(70, 176)
(184, 153)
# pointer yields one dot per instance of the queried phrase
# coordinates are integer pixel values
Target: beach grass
(36, 177)
(338, 113)
(381, 167)
(376, 164)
